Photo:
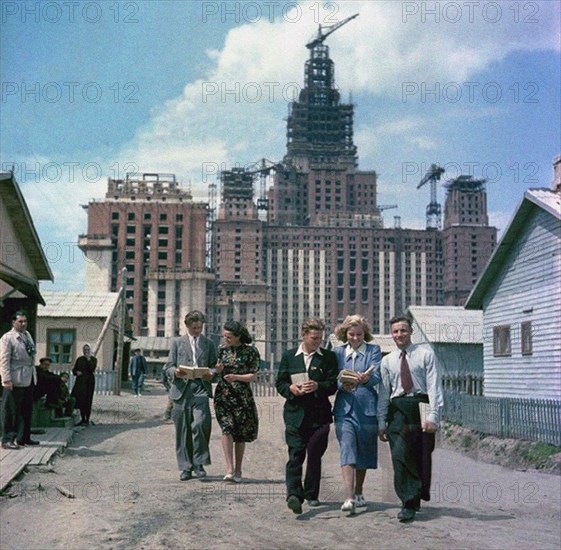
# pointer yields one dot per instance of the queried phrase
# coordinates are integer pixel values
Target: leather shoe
(186, 475)
(293, 502)
(199, 471)
(28, 442)
(10, 445)
(406, 515)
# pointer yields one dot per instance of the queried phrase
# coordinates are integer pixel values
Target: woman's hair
(353, 321)
(239, 331)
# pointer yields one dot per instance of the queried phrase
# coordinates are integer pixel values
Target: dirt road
(124, 477)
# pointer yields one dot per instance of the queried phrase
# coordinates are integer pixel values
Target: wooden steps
(13, 462)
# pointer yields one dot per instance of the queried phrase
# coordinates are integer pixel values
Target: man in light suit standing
(191, 409)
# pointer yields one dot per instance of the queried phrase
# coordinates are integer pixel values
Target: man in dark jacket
(48, 383)
(137, 368)
(307, 377)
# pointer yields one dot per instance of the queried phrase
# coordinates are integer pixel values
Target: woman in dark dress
(84, 385)
(236, 413)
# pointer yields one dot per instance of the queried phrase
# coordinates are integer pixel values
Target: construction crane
(322, 34)
(381, 207)
(263, 167)
(434, 210)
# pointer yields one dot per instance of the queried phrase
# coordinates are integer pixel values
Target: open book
(193, 372)
(347, 376)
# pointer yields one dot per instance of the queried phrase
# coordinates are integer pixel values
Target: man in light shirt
(409, 377)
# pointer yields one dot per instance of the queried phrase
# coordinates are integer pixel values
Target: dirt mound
(517, 454)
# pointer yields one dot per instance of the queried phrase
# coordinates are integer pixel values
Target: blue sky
(101, 88)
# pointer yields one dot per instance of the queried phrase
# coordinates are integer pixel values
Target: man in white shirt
(409, 377)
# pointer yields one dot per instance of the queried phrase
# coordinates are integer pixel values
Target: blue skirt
(358, 439)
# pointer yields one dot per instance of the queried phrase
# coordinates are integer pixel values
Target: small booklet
(346, 376)
(193, 372)
(299, 378)
(424, 410)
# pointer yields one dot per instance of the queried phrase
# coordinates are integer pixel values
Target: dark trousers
(66, 408)
(411, 450)
(302, 441)
(17, 408)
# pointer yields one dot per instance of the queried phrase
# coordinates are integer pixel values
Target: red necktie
(406, 380)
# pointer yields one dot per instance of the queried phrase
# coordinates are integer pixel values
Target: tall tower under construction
(468, 241)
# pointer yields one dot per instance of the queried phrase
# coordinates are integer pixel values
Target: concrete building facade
(152, 227)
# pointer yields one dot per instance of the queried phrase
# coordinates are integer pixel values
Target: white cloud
(235, 114)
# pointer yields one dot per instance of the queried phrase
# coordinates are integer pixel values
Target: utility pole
(121, 334)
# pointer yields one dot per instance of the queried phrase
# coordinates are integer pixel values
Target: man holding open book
(188, 367)
(410, 387)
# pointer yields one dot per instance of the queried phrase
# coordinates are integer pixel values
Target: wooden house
(71, 319)
(22, 260)
(519, 292)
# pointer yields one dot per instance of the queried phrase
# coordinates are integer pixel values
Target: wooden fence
(532, 419)
(104, 381)
(472, 384)
(264, 384)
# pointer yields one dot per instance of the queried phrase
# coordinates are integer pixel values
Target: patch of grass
(538, 453)
(466, 442)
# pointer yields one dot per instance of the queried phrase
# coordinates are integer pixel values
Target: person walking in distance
(137, 369)
(410, 377)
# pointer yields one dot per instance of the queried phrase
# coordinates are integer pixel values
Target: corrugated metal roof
(152, 343)
(447, 324)
(546, 198)
(77, 304)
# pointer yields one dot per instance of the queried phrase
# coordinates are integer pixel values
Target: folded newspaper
(424, 410)
(299, 378)
(194, 372)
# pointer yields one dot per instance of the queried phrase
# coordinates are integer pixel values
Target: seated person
(47, 383)
(66, 403)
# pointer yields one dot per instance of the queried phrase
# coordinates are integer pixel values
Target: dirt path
(128, 495)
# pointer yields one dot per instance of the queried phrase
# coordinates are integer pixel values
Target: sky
(92, 90)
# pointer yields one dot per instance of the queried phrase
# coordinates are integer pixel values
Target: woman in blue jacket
(356, 425)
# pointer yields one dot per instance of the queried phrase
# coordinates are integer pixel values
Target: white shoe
(228, 477)
(348, 506)
(360, 502)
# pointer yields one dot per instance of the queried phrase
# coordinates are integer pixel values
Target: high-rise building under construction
(323, 250)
